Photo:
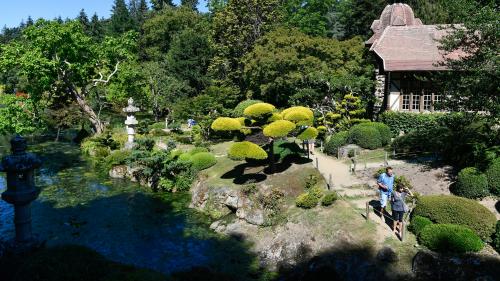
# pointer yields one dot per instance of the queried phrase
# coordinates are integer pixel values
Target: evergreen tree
(96, 28)
(190, 3)
(142, 12)
(84, 20)
(29, 22)
(357, 15)
(120, 21)
(159, 4)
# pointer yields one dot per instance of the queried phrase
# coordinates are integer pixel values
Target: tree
(84, 21)
(120, 20)
(310, 16)
(215, 6)
(235, 30)
(471, 52)
(192, 4)
(189, 57)
(340, 115)
(29, 21)
(158, 5)
(163, 26)
(61, 60)
(357, 16)
(264, 118)
(96, 28)
(288, 67)
(17, 114)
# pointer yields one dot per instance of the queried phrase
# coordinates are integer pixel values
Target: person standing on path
(399, 207)
(385, 184)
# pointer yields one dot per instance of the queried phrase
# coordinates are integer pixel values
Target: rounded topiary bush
(279, 128)
(298, 114)
(383, 129)
(447, 209)
(246, 149)
(365, 136)
(306, 201)
(259, 109)
(450, 238)
(335, 142)
(329, 198)
(309, 133)
(471, 184)
(493, 176)
(203, 160)
(185, 157)
(418, 223)
(226, 124)
(240, 108)
(198, 150)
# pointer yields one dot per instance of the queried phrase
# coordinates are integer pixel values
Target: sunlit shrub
(450, 238)
(226, 124)
(259, 109)
(246, 149)
(308, 134)
(280, 128)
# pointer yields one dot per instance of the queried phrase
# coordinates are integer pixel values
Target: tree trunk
(272, 161)
(96, 122)
(58, 133)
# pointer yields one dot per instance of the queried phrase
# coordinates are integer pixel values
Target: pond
(119, 219)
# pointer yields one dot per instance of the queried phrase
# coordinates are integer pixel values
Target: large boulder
(118, 172)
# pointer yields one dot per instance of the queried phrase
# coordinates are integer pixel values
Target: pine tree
(159, 4)
(190, 3)
(84, 20)
(29, 22)
(120, 21)
(96, 28)
(142, 12)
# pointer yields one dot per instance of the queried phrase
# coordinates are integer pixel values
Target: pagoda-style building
(406, 51)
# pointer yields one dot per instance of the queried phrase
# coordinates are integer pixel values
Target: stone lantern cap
(131, 108)
(20, 160)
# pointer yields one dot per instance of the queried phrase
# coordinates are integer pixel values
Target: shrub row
(408, 122)
(446, 209)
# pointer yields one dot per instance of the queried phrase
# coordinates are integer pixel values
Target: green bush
(203, 160)
(226, 124)
(450, 238)
(117, 157)
(240, 108)
(145, 144)
(280, 128)
(316, 192)
(185, 157)
(158, 133)
(402, 181)
(306, 201)
(496, 238)
(418, 223)
(246, 149)
(383, 129)
(329, 198)
(157, 126)
(408, 122)
(471, 184)
(259, 109)
(365, 136)
(287, 150)
(335, 142)
(308, 134)
(425, 140)
(457, 210)
(493, 175)
(197, 150)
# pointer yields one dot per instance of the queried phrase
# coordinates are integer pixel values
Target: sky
(12, 12)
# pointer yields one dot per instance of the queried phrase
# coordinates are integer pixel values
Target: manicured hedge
(418, 223)
(335, 142)
(408, 122)
(493, 175)
(203, 160)
(450, 238)
(280, 128)
(365, 136)
(447, 209)
(259, 109)
(329, 198)
(471, 184)
(240, 108)
(226, 124)
(383, 129)
(306, 201)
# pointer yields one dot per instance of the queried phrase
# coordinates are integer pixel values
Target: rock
(387, 254)
(214, 225)
(252, 216)
(118, 172)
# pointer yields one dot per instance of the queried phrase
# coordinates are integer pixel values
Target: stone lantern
(21, 190)
(131, 122)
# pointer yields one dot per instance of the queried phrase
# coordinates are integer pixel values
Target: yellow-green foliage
(259, 109)
(322, 129)
(275, 117)
(279, 128)
(299, 115)
(226, 124)
(185, 157)
(308, 134)
(246, 149)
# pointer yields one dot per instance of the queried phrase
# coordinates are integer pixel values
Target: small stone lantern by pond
(131, 122)
(21, 190)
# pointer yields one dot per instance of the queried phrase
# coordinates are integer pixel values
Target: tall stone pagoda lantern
(21, 190)
(131, 122)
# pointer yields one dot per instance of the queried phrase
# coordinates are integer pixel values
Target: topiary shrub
(383, 129)
(246, 149)
(496, 238)
(185, 157)
(365, 136)
(471, 184)
(493, 176)
(226, 124)
(309, 133)
(457, 210)
(418, 223)
(203, 160)
(198, 150)
(240, 108)
(335, 142)
(299, 115)
(450, 238)
(280, 128)
(316, 192)
(259, 109)
(329, 198)
(306, 201)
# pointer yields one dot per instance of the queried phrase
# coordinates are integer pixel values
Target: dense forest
(177, 62)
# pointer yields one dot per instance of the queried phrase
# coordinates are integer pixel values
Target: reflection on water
(117, 218)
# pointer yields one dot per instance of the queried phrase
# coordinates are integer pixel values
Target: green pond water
(119, 219)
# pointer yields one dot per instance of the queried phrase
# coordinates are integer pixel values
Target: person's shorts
(383, 199)
(397, 215)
